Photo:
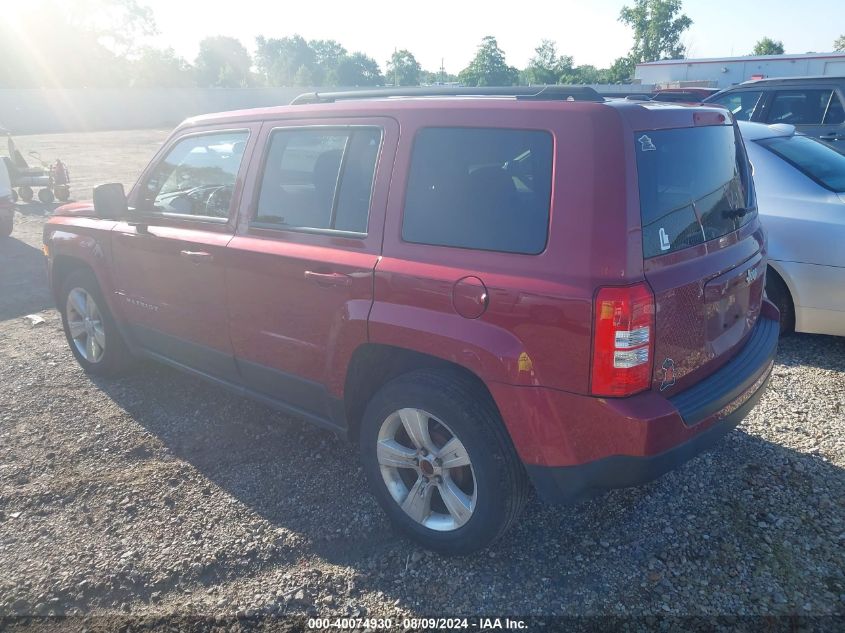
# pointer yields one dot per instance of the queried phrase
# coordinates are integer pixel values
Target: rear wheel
(89, 327)
(778, 293)
(26, 193)
(440, 462)
(45, 196)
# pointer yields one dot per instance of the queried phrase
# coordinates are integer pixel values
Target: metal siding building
(724, 72)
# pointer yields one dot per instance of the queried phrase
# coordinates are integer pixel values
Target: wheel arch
(373, 365)
(789, 284)
(62, 267)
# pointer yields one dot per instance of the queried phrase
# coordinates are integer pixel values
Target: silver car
(800, 186)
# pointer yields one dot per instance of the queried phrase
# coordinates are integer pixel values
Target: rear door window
(480, 188)
(799, 107)
(740, 103)
(319, 178)
(693, 186)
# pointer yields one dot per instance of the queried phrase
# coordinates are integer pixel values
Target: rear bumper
(576, 447)
(570, 484)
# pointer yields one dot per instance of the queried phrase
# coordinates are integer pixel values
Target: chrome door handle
(328, 279)
(197, 257)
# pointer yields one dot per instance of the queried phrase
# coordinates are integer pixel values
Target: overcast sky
(435, 29)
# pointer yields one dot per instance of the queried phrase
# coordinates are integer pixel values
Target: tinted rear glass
(692, 182)
(479, 188)
(818, 161)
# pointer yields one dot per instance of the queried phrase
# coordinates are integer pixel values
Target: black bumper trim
(571, 484)
(717, 391)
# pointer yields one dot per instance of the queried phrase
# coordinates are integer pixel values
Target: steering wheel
(218, 201)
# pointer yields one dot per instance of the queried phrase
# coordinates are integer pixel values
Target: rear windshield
(815, 159)
(693, 186)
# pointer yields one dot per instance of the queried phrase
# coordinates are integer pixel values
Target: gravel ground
(158, 494)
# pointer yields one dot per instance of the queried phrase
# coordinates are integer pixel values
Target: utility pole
(442, 72)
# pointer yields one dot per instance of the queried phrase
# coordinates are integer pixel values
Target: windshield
(815, 159)
(693, 186)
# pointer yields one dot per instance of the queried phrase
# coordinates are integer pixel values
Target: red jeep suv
(485, 288)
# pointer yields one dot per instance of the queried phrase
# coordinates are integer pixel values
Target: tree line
(94, 44)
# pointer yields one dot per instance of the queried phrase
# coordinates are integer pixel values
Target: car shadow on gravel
(751, 527)
(23, 279)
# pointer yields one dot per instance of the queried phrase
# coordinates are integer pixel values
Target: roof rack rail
(527, 93)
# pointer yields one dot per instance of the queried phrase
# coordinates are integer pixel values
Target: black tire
(45, 196)
(26, 193)
(778, 294)
(116, 357)
(7, 223)
(500, 482)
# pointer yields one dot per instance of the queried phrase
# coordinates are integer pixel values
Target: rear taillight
(623, 340)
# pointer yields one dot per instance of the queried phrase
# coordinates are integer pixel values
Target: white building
(724, 72)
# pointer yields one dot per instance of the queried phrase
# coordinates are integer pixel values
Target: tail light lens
(623, 340)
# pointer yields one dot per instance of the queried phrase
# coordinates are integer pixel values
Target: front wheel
(89, 327)
(440, 462)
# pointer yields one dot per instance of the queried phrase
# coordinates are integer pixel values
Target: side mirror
(110, 201)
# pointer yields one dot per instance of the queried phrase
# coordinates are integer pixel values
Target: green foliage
(291, 61)
(279, 61)
(223, 62)
(621, 70)
(107, 35)
(839, 44)
(403, 69)
(358, 70)
(157, 68)
(117, 24)
(768, 46)
(328, 55)
(585, 74)
(547, 67)
(431, 77)
(658, 26)
(54, 44)
(304, 77)
(488, 68)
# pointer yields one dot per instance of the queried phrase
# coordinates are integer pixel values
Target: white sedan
(800, 186)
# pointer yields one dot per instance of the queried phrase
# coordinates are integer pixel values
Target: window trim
(313, 230)
(553, 166)
(210, 219)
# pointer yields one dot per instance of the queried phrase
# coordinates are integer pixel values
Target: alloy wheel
(85, 324)
(427, 469)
